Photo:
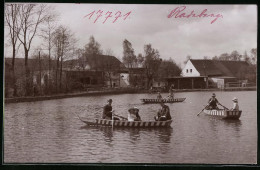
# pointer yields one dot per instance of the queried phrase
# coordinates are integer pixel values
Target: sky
(174, 37)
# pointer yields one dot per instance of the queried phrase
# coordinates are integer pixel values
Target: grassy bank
(108, 92)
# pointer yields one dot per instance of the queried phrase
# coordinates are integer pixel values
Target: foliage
(129, 58)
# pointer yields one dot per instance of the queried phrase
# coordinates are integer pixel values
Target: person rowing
(107, 111)
(163, 113)
(212, 103)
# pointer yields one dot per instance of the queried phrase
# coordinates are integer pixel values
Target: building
(110, 67)
(209, 73)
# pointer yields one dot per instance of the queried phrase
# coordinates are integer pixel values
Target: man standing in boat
(171, 95)
(163, 113)
(107, 112)
(159, 96)
(213, 101)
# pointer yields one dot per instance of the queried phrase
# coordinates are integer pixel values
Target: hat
(234, 99)
(213, 95)
(109, 100)
(135, 108)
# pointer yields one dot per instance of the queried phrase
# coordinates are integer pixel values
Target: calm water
(50, 132)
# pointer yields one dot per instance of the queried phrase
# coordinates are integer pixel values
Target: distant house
(202, 73)
(109, 66)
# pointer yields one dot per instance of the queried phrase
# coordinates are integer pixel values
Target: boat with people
(125, 123)
(223, 113)
(174, 100)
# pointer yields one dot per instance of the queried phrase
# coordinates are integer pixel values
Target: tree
(140, 59)
(47, 35)
(224, 56)
(30, 16)
(92, 49)
(234, 56)
(253, 55)
(11, 14)
(80, 57)
(168, 68)
(215, 58)
(63, 42)
(187, 59)
(246, 57)
(109, 52)
(129, 57)
(152, 62)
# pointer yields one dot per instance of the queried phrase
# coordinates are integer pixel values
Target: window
(191, 70)
(187, 70)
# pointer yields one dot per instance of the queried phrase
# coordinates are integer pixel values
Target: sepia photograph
(89, 83)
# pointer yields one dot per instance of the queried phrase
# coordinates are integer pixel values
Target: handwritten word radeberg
(99, 13)
(177, 12)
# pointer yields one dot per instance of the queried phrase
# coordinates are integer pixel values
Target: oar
(120, 116)
(202, 110)
(223, 106)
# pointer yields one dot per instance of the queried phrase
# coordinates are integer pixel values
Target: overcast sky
(173, 37)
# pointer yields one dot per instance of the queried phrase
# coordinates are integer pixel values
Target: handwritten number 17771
(100, 14)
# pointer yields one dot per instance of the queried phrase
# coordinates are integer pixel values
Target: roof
(33, 64)
(98, 62)
(218, 67)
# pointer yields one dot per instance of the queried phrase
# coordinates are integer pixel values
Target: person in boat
(133, 114)
(171, 95)
(107, 111)
(159, 96)
(163, 113)
(235, 104)
(213, 101)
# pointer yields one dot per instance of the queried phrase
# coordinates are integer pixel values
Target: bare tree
(63, 41)
(30, 16)
(11, 14)
(47, 35)
(110, 52)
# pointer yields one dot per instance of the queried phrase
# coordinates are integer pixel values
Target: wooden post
(178, 83)
(192, 83)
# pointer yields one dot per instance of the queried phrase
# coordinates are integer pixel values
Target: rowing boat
(121, 123)
(175, 100)
(223, 113)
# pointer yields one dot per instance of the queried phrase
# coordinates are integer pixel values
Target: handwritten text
(106, 15)
(179, 13)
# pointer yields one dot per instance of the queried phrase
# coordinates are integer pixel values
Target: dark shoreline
(107, 92)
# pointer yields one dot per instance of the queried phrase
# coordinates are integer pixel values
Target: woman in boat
(159, 96)
(133, 114)
(213, 101)
(107, 111)
(163, 113)
(235, 104)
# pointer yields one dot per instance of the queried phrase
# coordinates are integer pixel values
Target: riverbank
(108, 92)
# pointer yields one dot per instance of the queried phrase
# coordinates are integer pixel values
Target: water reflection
(235, 126)
(165, 134)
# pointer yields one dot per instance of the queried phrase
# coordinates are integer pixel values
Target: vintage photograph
(130, 83)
